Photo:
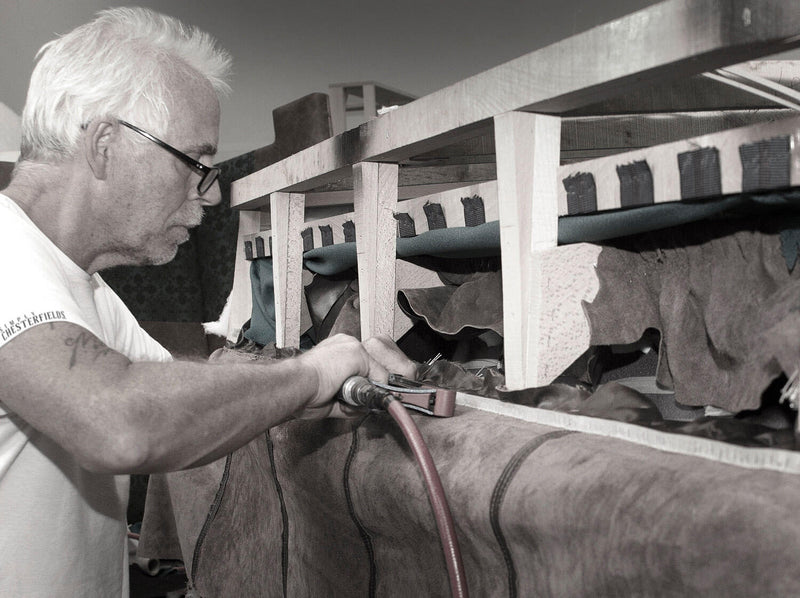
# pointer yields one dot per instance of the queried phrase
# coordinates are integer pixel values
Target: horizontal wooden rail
(331, 230)
(727, 162)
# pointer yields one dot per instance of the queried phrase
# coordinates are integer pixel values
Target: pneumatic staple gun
(439, 402)
(426, 399)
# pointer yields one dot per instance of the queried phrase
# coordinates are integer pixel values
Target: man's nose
(211, 197)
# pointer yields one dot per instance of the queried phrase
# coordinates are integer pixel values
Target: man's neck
(54, 203)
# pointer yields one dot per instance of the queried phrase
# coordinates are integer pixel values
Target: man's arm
(118, 416)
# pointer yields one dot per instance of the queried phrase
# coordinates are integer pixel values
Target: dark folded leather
(474, 304)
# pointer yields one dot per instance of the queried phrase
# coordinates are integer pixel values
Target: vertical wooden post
(375, 200)
(336, 108)
(287, 215)
(528, 148)
(241, 299)
(370, 102)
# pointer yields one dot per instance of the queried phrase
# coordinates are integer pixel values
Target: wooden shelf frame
(519, 104)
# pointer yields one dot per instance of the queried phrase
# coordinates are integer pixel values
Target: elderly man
(119, 128)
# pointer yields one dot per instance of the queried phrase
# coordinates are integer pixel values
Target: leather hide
(720, 293)
(338, 508)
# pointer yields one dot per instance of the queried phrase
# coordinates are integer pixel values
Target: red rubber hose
(441, 510)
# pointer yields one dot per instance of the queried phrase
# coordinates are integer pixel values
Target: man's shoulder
(15, 225)
(9, 207)
(24, 247)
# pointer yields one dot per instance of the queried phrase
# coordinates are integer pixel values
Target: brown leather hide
(475, 303)
(721, 295)
(538, 511)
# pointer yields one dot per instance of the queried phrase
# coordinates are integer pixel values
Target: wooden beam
(337, 109)
(345, 197)
(449, 200)
(662, 161)
(558, 330)
(241, 299)
(590, 137)
(582, 138)
(694, 36)
(370, 109)
(375, 194)
(663, 165)
(527, 166)
(421, 174)
(286, 210)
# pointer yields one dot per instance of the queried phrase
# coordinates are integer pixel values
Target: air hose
(360, 392)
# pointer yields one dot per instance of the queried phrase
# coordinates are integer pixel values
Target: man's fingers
(377, 371)
(383, 350)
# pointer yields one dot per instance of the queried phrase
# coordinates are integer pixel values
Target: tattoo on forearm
(86, 344)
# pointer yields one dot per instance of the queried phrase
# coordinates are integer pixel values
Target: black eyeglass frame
(209, 174)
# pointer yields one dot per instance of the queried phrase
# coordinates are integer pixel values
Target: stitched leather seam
(498, 494)
(366, 537)
(212, 513)
(284, 516)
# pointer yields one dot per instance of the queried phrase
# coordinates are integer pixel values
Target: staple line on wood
(754, 158)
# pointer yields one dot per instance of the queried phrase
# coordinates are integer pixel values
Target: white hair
(116, 65)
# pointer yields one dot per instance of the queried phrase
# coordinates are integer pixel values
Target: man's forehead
(197, 138)
(194, 112)
(196, 127)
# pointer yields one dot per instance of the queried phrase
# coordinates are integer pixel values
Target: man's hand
(384, 350)
(337, 358)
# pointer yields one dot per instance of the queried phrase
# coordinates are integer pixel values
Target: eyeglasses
(208, 174)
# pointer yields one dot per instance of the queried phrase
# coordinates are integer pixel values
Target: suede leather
(240, 552)
(474, 304)
(720, 293)
(179, 501)
(582, 515)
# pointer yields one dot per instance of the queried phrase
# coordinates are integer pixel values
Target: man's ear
(97, 139)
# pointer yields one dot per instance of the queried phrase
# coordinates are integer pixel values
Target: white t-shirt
(62, 528)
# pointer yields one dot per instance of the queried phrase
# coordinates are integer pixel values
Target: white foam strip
(722, 452)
